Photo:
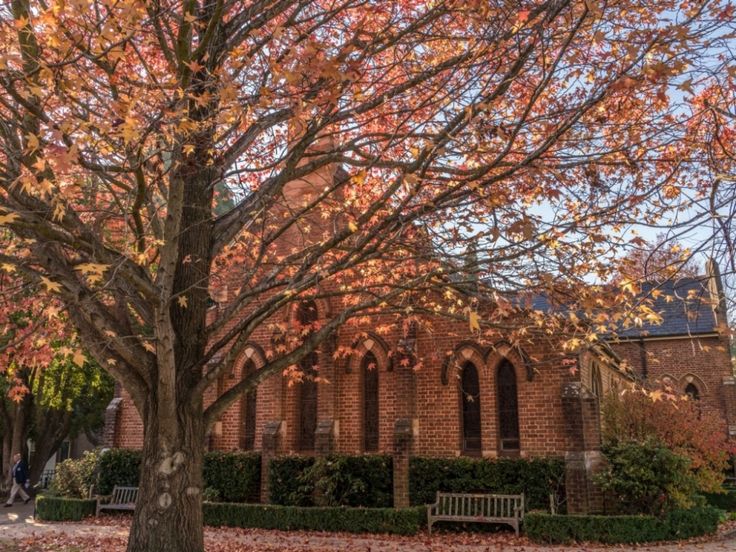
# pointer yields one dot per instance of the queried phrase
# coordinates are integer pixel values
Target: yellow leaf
(31, 142)
(474, 321)
(7, 267)
(78, 358)
(353, 227)
(8, 218)
(183, 301)
(149, 347)
(93, 271)
(655, 395)
(50, 285)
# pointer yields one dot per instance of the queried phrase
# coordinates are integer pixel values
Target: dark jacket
(20, 472)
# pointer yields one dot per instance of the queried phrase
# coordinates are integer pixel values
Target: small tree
(638, 416)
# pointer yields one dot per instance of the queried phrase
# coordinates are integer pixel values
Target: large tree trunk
(54, 428)
(5, 476)
(168, 515)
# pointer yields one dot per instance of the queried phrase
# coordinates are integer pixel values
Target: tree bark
(55, 429)
(168, 514)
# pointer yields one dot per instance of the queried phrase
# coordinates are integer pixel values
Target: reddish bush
(678, 423)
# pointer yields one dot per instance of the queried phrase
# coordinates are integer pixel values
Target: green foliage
(647, 478)
(335, 480)
(286, 482)
(54, 508)
(64, 385)
(73, 478)
(724, 501)
(352, 480)
(678, 524)
(210, 495)
(537, 478)
(120, 467)
(406, 521)
(235, 476)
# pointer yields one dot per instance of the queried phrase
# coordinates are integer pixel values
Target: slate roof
(689, 311)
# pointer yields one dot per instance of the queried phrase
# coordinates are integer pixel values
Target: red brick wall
(703, 361)
(129, 430)
(436, 406)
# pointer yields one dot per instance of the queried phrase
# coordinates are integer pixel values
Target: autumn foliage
(341, 151)
(683, 425)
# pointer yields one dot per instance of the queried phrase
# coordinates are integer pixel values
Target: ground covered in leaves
(109, 534)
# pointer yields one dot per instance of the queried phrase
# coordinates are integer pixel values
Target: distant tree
(657, 261)
(50, 390)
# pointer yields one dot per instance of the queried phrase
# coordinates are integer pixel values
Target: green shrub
(211, 495)
(537, 478)
(235, 476)
(120, 467)
(286, 482)
(73, 478)
(335, 480)
(627, 529)
(647, 478)
(56, 508)
(724, 501)
(406, 521)
(340, 480)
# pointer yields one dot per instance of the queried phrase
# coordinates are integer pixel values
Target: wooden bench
(480, 508)
(122, 498)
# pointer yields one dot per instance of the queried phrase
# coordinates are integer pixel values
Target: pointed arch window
(692, 392)
(249, 410)
(470, 397)
(596, 382)
(307, 411)
(508, 407)
(369, 369)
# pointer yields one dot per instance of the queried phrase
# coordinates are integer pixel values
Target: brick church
(483, 400)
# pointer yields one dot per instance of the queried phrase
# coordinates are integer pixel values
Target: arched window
(508, 407)
(470, 397)
(307, 412)
(369, 369)
(691, 390)
(249, 410)
(596, 382)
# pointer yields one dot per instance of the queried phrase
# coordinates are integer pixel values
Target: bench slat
(477, 507)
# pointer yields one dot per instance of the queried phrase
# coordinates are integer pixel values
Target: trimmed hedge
(335, 480)
(406, 521)
(724, 501)
(537, 478)
(676, 525)
(118, 467)
(236, 476)
(56, 508)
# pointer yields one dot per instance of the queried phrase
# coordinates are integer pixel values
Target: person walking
(19, 477)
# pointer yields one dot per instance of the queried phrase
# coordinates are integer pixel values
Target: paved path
(18, 513)
(18, 525)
